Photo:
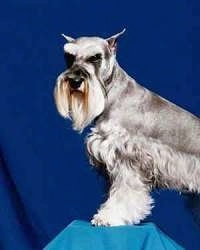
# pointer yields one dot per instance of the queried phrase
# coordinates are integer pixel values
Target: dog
(140, 139)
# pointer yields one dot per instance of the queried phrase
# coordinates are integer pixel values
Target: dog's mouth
(78, 102)
(79, 90)
(74, 92)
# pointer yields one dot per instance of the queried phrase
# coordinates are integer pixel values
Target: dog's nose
(75, 82)
(75, 77)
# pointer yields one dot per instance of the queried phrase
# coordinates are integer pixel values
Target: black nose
(75, 82)
(75, 76)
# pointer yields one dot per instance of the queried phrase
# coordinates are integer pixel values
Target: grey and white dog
(141, 139)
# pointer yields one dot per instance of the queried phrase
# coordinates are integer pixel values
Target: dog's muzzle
(75, 77)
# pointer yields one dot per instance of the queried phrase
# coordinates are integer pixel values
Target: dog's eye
(69, 59)
(95, 58)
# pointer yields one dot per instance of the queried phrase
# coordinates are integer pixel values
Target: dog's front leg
(128, 201)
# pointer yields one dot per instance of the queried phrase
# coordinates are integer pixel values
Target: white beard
(83, 105)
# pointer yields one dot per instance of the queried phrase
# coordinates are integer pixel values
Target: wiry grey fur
(142, 140)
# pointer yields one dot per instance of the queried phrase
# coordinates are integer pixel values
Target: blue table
(81, 235)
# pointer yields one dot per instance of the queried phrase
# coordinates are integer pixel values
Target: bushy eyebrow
(85, 53)
(71, 49)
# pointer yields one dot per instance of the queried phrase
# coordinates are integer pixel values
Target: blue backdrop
(45, 178)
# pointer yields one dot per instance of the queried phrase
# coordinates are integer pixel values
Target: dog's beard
(81, 105)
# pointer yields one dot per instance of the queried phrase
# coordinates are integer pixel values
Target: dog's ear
(68, 38)
(112, 41)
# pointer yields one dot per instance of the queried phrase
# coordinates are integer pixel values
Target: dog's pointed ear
(112, 41)
(68, 38)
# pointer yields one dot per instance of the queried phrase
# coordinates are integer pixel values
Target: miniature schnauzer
(142, 140)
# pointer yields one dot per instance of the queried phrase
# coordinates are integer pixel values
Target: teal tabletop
(81, 235)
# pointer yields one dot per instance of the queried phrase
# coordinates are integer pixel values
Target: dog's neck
(118, 81)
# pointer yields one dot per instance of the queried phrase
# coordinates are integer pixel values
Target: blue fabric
(45, 178)
(80, 235)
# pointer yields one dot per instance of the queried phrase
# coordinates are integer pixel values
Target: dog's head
(80, 90)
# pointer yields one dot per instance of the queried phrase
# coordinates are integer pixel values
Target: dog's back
(156, 117)
(175, 126)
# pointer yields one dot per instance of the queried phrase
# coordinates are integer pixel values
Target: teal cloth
(81, 235)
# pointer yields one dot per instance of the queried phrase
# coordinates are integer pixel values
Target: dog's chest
(112, 147)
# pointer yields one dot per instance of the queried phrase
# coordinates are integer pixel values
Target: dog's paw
(99, 221)
(104, 218)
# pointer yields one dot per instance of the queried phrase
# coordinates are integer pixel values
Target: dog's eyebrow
(71, 49)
